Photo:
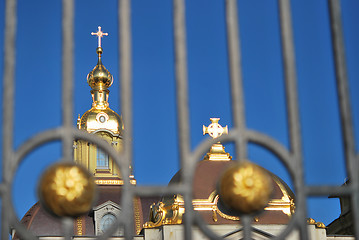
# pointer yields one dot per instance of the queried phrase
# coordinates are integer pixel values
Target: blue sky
(38, 83)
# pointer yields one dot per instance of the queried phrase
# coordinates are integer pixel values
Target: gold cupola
(103, 122)
(99, 79)
(100, 117)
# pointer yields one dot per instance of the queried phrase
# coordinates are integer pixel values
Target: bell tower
(102, 121)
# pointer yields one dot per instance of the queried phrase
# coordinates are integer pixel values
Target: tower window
(102, 159)
(106, 222)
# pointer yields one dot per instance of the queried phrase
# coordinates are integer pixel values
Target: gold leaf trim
(113, 182)
(79, 226)
(136, 204)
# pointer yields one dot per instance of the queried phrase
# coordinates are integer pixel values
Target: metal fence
(240, 135)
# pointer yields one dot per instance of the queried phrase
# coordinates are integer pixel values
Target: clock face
(102, 119)
(106, 222)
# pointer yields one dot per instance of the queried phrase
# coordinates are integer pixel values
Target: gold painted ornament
(67, 190)
(246, 188)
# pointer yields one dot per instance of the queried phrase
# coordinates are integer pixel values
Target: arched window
(106, 222)
(102, 159)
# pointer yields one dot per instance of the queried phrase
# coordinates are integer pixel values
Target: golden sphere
(311, 221)
(320, 225)
(99, 77)
(67, 190)
(245, 187)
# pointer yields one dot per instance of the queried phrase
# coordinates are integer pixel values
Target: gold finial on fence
(67, 190)
(245, 187)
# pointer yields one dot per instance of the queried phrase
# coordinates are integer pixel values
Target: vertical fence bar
(235, 69)
(290, 76)
(124, 18)
(344, 107)
(8, 109)
(125, 73)
(67, 228)
(181, 77)
(67, 75)
(292, 109)
(247, 231)
(179, 28)
(67, 89)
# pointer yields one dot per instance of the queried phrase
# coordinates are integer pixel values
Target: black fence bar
(124, 23)
(247, 231)
(328, 190)
(290, 76)
(68, 227)
(67, 92)
(344, 107)
(235, 70)
(181, 77)
(179, 28)
(8, 109)
(67, 75)
(342, 79)
(292, 110)
(124, 18)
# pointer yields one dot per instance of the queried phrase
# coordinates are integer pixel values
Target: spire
(78, 121)
(99, 79)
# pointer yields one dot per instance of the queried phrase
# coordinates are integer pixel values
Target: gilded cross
(215, 130)
(99, 34)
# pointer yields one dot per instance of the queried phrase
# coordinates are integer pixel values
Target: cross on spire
(215, 130)
(99, 34)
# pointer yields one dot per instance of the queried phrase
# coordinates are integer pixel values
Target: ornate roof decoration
(206, 199)
(217, 152)
(100, 116)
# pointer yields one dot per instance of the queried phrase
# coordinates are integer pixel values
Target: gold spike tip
(245, 188)
(99, 51)
(311, 221)
(320, 225)
(67, 190)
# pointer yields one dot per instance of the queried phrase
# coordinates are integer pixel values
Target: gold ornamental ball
(245, 188)
(320, 225)
(67, 190)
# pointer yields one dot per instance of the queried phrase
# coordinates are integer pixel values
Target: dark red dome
(205, 182)
(41, 223)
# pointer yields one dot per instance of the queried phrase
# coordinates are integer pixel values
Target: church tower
(105, 123)
(102, 121)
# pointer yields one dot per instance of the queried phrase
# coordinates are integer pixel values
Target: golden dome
(99, 78)
(96, 119)
(100, 116)
(101, 119)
